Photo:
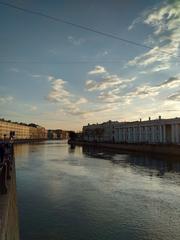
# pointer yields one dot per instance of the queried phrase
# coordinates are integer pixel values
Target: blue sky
(60, 76)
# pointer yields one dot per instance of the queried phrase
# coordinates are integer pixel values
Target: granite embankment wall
(21, 141)
(9, 227)
(167, 149)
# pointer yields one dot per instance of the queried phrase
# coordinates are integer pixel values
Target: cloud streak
(151, 91)
(68, 102)
(107, 82)
(165, 21)
(6, 99)
(174, 96)
(58, 92)
(97, 70)
(76, 41)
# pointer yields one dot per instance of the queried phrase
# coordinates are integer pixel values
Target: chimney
(149, 118)
(159, 117)
(140, 119)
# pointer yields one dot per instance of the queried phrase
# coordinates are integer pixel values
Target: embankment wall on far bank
(170, 149)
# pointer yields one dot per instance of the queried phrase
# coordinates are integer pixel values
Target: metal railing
(6, 164)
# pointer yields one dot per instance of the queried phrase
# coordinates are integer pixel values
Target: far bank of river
(167, 149)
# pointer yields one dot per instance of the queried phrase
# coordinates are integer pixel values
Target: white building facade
(103, 132)
(158, 131)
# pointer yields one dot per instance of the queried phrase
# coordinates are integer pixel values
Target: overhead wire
(59, 62)
(83, 27)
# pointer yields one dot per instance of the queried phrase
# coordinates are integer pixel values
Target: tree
(72, 135)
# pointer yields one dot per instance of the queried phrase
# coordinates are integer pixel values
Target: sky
(61, 76)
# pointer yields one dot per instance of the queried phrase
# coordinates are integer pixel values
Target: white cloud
(114, 97)
(109, 97)
(165, 17)
(161, 67)
(33, 108)
(58, 92)
(6, 99)
(172, 82)
(16, 70)
(107, 82)
(174, 96)
(50, 78)
(135, 21)
(76, 41)
(53, 51)
(103, 53)
(97, 70)
(36, 76)
(82, 100)
(160, 55)
(109, 90)
(71, 104)
(146, 91)
(89, 112)
(165, 21)
(68, 102)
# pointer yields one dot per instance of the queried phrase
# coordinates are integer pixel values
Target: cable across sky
(86, 28)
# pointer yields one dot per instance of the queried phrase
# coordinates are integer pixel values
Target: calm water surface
(88, 194)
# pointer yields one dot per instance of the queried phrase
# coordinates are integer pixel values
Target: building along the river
(103, 132)
(58, 134)
(21, 130)
(157, 131)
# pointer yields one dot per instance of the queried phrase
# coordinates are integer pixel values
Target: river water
(87, 194)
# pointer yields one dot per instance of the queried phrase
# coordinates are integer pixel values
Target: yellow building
(21, 131)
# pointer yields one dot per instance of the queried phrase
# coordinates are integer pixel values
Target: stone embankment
(168, 149)
(21, 141)
(9, 229)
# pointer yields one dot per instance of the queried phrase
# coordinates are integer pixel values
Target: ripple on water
(87, 193)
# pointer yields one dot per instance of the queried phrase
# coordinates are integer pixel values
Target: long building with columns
(156, 131)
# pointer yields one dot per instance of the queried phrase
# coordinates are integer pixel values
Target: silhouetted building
(58, 134)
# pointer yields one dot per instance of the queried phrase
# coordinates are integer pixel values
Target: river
(94, 194)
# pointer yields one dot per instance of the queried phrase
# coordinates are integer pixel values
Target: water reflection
(161, 163)
(89, 193)
(72, 148)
